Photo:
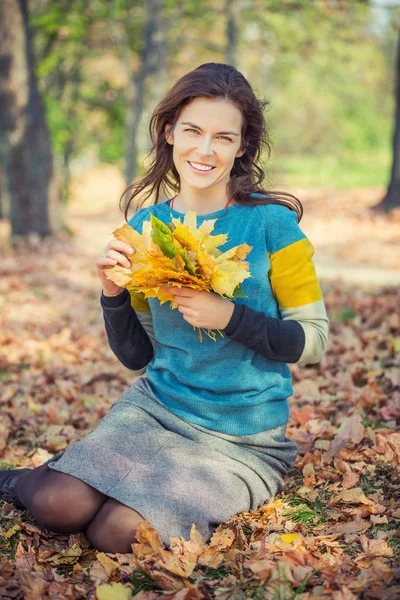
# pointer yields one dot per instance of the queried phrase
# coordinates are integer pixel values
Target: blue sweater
(228, 385)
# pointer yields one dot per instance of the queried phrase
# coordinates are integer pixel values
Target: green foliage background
(327, 70)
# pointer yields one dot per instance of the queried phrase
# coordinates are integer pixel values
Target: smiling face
(206, 140)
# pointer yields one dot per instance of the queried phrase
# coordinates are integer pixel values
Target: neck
(201, 206)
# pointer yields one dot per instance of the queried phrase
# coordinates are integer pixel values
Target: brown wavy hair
(212, 80)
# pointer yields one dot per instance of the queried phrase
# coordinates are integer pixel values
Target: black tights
(64, 504)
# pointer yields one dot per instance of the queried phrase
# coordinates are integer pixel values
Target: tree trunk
(150, 59)
(28, 156)
(392, 198)
(232, 31)
(4, 195)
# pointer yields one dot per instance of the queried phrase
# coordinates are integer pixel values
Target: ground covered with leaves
(333, 532)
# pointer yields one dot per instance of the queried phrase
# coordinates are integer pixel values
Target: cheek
(182, 146)
(229, 157)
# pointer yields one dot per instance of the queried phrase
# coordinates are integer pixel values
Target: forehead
(210, 113)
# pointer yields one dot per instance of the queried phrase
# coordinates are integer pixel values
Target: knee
(114, 528)
(59, 511)
(101, 538)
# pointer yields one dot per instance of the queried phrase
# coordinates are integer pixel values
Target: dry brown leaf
(350, 479)
(5, 423)
(32, 585)
(261, 568)
(303, 414)
(351, 430)
(66, 556)
(24, 559)
(375, 547)
(343, 594)
(354, 526)
(149, 540)
(109, 565)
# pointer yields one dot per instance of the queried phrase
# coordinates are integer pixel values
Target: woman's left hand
(207, 310)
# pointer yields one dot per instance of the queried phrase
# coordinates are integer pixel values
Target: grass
(308, 512)
(8, 546)
(281, 587)
(5, 376)
(394, 543)
(368, 485)
(346, 170)
(392, 540)
(353, 549)
(373, 421)
(142, 582)
(345, 315)
(302, 514)
(5, 466)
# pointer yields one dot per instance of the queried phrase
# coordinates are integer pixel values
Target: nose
(205, 146)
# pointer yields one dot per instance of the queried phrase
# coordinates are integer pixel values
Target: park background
(78, 84)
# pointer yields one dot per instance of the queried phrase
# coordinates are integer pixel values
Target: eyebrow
(219, 132)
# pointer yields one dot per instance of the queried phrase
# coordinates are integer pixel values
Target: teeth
(201, 167)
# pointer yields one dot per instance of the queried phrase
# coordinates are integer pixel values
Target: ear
(169, 134)
(240, 153)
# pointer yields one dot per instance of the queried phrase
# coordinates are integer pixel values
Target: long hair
(212, 80)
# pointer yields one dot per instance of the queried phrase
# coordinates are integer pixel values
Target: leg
(113, 528)
(60, 502)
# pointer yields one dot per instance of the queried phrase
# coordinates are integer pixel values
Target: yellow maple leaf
(183, 235)
(289, 538)
(108, 564)
(10, 532)
(113, 591)
(66, 556)
(226, 276)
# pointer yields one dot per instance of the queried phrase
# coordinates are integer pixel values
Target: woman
(201, 435)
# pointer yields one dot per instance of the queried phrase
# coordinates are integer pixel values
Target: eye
(221, 136)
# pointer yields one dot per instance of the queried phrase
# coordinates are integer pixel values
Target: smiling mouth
(201, 168)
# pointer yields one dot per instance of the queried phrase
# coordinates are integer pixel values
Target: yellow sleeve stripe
(138, 302)
(293, 277)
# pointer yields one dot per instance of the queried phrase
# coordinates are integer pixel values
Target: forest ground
(333, 531)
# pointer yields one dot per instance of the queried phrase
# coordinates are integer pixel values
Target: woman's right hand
(113, 254)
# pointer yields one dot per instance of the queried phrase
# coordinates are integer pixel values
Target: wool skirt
(175, 473)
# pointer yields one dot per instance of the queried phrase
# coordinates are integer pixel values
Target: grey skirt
(175, 473)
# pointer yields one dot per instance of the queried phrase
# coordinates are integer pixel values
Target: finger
(181, 292)
(119, 245)
(187, 303)
(190, 319)
(120, 258)
(185, 310)
(104, 261)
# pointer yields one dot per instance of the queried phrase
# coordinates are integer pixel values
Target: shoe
(8, 480)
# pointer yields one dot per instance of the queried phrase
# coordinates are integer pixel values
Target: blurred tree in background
(27, 172)
(392, 197)
(328, 68)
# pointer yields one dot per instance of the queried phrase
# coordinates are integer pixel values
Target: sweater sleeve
(302, 332)
(128, 321)
(126, 335)
(273, 338)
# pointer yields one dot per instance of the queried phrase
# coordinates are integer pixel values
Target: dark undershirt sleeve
(275, 339)
(126, 336)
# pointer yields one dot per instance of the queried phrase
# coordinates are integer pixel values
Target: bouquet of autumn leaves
(180, 254)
